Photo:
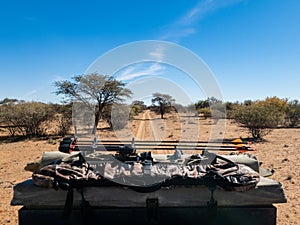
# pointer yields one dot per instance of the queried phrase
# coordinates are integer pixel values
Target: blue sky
(251, 46)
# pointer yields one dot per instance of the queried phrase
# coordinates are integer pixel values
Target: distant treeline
(19, 117)
(259, 116)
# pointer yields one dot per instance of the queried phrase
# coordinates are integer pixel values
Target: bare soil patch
(280, 152)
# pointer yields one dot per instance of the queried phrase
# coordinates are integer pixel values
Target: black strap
(85, 210)
(68, 204)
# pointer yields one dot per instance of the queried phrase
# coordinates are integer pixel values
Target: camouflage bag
(74, 171)
(63, 173)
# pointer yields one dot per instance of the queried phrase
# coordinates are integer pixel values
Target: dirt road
(148, 129)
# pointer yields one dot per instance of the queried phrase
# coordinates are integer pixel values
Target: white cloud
(176, 34)
(158, 54)
(134, 71)
(185, 25)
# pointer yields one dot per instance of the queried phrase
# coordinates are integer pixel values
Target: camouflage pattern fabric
(74, 171)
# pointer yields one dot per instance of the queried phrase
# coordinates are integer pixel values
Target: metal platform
(152, 214)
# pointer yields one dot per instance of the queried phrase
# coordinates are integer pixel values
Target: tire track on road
(146, 130)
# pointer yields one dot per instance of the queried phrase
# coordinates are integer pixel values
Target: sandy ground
(280, 152)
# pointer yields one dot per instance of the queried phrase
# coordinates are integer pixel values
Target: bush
(63, 118)
(136, 108)
(26, 118)
(260, 117)
(9, 120)
(293, 113)
(205, 112)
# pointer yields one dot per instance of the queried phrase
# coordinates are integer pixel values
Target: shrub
(63, 118)
(136, 108)
(205, 112)
(260, 117)
(293, 113)
(9, 120)
(26, 118)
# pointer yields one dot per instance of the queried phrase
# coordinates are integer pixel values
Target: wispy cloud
(157, 54)
(186, 25)
(175, 34)
(135, 71)
(30, 93)
(151, 66)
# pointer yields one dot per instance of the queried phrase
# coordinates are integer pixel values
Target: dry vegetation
(279, 151)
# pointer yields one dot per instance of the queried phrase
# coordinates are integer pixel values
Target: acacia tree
(164, 102)
(95, 91)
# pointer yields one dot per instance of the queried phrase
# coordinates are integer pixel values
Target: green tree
(6, 101)
(260, 117)
(164, 102)
(96, 91)
(207, 103)
(211, 107)
(202, 104)
(137, 107)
